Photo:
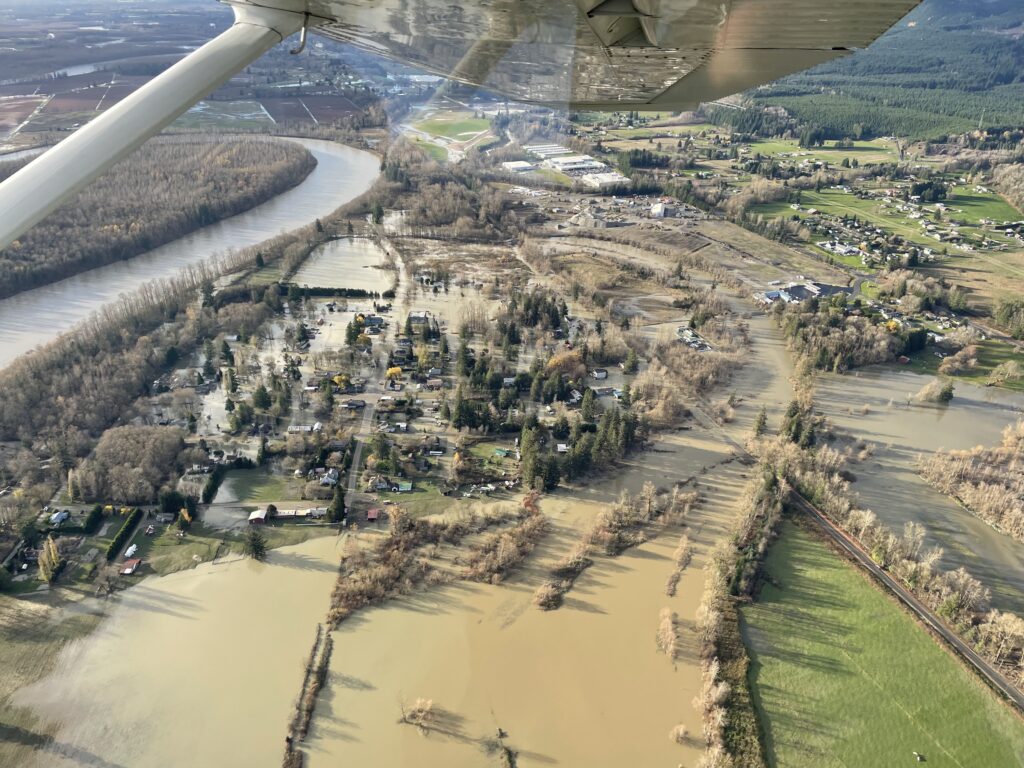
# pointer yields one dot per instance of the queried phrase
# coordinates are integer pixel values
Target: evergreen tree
(587, 407)
(336, 511)
(552, 473)
(261, 398)
(529, 450)
(761, 423)
(632, 363)
(254, 543)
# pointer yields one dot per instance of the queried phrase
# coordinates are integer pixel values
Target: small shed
(259, 516)
(373, 515)
(130, 566)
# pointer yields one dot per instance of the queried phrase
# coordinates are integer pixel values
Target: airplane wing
(580, 54)
(611, 54)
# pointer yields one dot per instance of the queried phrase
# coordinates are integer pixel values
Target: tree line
(956, 595)
(167, 189)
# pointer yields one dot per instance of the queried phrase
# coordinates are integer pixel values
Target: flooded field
(356, 263)
(200, 667)
(204, 666)
(872, 405)
(583, 685)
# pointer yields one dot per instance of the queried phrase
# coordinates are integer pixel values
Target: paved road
(848, 544)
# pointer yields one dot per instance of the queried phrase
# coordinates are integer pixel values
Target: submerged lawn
(841, 676)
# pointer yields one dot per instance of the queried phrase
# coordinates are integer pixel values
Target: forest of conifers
(169, 188)
(948, 66)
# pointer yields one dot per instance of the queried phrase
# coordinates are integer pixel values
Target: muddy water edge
(581, 685)
(197, 667)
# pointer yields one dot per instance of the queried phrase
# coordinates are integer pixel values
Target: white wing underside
(593, 54)
(611, 54)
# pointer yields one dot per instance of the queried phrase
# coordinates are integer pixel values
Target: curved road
(994, 677)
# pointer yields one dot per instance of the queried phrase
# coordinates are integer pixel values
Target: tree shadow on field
(44, 743)
(300, 562)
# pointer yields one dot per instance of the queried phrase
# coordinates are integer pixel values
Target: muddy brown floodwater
(872, 405)
(203, 667)
(583, 685)
(351, 262)
(197, 668)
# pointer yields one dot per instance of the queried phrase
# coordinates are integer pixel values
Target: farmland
(225, 114)
(15, 110)
(841, 676)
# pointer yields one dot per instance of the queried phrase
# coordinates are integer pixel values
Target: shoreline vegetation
(987, 482)
(121, 348)
(734, 730)
(168, 189)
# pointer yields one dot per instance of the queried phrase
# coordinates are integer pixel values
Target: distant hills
(948, 66)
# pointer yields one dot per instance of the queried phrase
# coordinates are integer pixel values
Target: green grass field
(460, 126)
(977, 206)
(865, 152)
(165, 553)
(991, 353)
(271, 273)
(869, 289)
(843, 677)
(549, 174)
(647, 132)
(440, 154)
(973, 207)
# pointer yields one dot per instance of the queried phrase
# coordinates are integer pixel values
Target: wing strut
(64, 170)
